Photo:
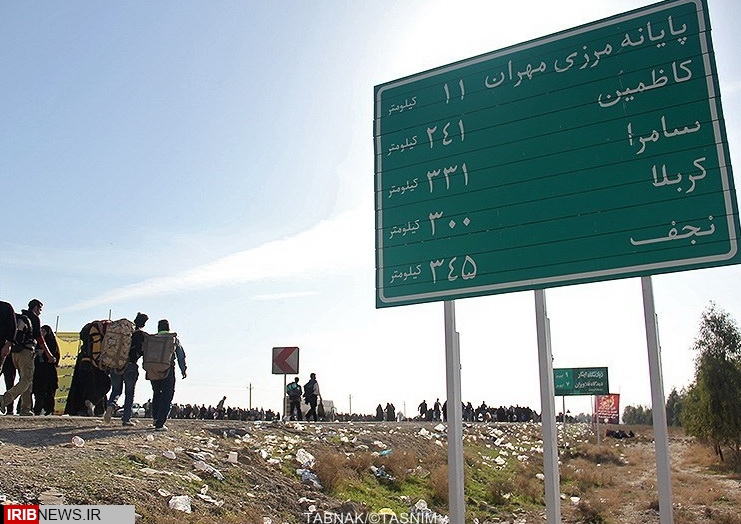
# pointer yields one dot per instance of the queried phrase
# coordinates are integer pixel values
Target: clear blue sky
(212, 163)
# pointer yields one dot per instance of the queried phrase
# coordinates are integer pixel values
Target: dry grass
(332, 469)
(499, 492)
(583, 477)
(439, 484)
(359, 462)
(724, 516)
(527, 485)
(592, 512)
(606, 453)
(399, 463)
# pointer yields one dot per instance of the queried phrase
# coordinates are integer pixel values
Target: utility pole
(250, 389)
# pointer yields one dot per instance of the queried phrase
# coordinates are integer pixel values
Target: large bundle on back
(114, 351)
(91, 336)
(158, 353)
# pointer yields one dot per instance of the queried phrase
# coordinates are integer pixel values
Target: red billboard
(607, 408)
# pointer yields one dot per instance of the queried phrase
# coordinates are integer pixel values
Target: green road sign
(592, 154)
(580, 381)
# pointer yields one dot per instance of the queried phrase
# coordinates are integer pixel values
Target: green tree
(674, 408)
(637, 415)
(712, 407)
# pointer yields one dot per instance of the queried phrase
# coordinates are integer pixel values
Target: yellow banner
(69, 345)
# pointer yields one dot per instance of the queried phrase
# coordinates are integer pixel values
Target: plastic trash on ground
(309, 477)
(169, 454)
(78, 441)
(382, 474)
(421, 512)
(305, 458)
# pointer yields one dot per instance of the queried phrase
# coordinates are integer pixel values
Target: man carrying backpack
(163, 390)
(27, 338)
(126, 381)
(311, 394)
(294, 398)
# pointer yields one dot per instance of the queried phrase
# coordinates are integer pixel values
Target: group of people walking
(29, 350)
(311, 395)
(91, 384)
(32, 350)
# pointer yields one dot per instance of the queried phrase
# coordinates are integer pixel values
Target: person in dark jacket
(23, 359)
(294, 392)
(7, 335)
(45, 379)
(164, 390)
(311, 395)
(126, 380)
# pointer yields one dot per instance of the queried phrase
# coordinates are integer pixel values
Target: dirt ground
(116, 465)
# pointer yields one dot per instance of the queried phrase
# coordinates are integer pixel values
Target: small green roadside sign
(592, 154)
(580, 381)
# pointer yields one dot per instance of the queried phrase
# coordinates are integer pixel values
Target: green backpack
(158, 353)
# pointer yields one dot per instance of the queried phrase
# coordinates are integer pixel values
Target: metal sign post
(456, 499)
(548, 411)
(661, 437)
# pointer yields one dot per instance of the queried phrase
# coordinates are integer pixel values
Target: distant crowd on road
(193, 411)
(438, 412)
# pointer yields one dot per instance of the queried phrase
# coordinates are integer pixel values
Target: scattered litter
(540, 476)
(164, 493)
(309, 477)
(575, 500)
(440, 428)
(150, 438)
(180, 503)
(207, 498)
(233, 457)
(78, 441)
(169, 454)
(305, 458)
(382, 474)
(425, 514)
(202, 466)
(384, 452)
